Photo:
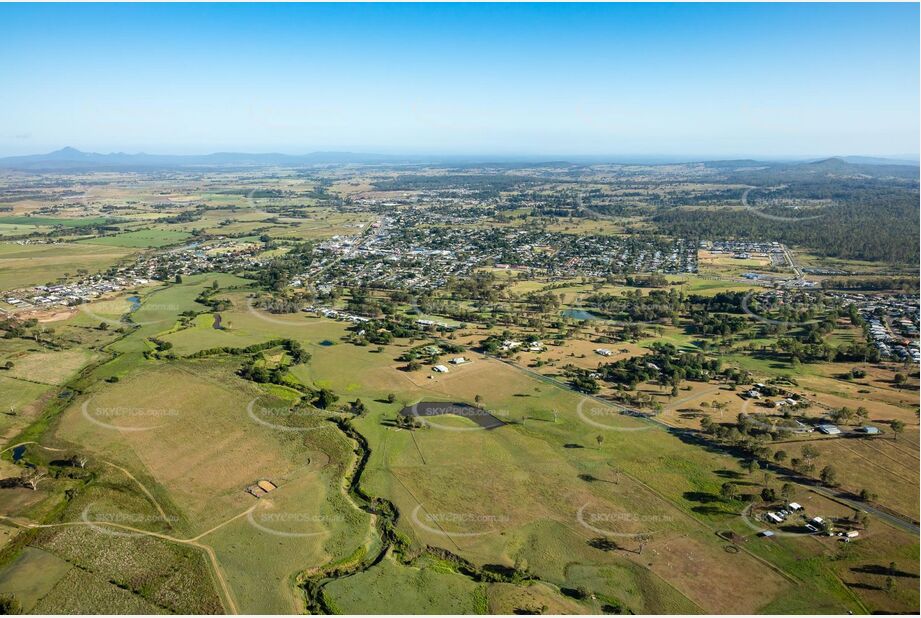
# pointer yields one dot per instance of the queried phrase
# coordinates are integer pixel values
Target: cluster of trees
(480, 286)
(654, 280)
(16, 329)
(634, 306)
(294, 349)
(717, 324)
(215, 304)
(666, 364)
(252, 370)
(279, 271)
(872, 284)
(493, 343)
(427, 355)
(799, 351)
(867, 221)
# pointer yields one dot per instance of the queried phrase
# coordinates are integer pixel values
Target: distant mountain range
(71, 159)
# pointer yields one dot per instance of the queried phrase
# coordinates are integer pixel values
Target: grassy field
(54, 221)
(533, 489)
(17, 229)
(29, 265)
(619, 506)
(199, 433)
(32, 576)
(141, 239)
(395, 589)
(53, 368)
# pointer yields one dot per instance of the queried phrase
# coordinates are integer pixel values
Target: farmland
(205, 391)
(22, 265)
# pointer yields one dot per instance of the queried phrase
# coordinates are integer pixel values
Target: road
(895, 521)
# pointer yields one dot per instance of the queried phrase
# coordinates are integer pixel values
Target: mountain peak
(67, 153)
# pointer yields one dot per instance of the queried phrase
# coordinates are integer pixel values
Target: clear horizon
(524, 157)
(655, 81)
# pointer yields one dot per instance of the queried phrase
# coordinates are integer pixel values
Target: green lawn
(141, 239)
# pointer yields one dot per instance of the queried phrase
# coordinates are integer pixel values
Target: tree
(599, 439)
(643, 539)
(752, 466)
(325, 398)
(728, 491)
(900, 379)
(391, 398)
(829, 475)
(178, 279)
(780, 456)
(897, 427)
(787, 491)
(706, 423)
(862, 413)
(867, 496)
(890, 584)
(33, 479)
(9, 605)
(103, 326)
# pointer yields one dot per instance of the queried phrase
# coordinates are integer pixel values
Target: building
(830, 430)
(440, 369)
(266, 486)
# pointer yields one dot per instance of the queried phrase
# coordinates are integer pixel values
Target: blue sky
(670, 79)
